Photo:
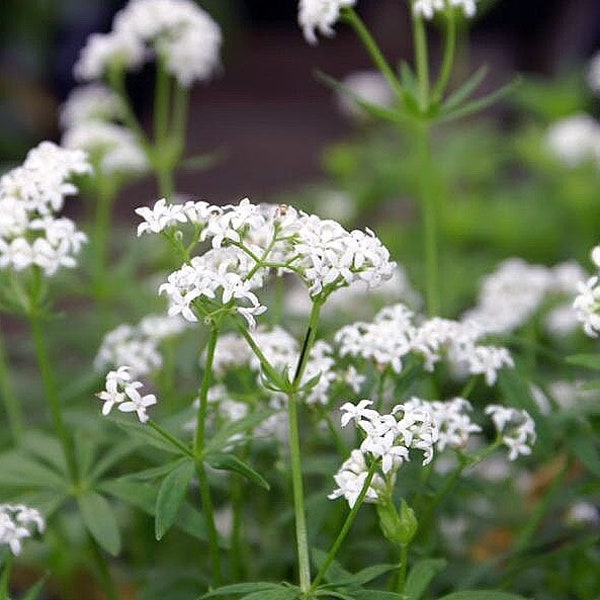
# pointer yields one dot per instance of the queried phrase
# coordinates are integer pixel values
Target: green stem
(447, 60)
(180, 112)
(429, 207)
(345, 529)
(14, 411)
(351, 17)
(104, 575)
(171, 439)
(422, 62)
(199, 444)
(161, 102)
(237, 538)
(166, 181)
(295, 451)
(403, 568)
(51, 392)
(5, 577)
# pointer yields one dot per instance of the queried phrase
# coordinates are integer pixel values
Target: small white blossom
(18, 522)
(368, 86)
(321, 16)
(122, 392)
(91, 102)
(428, 8)
(516, 427)
(593, 74)
(574, 140)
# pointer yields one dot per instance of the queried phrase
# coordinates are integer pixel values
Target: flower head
(321, 16)
(17, 522)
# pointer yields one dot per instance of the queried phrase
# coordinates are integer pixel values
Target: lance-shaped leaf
(421, 575)
(230, 462)
(99, 519)
(171, 495)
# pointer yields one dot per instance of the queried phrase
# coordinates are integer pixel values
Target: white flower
(369, 86)
(357, 412)
(516, 427)
(160, 216)
(91, 102)
(122, 392)
(587, 305)
(574, 140)
(583, 513)
(429, 8)
(320, 15)
(351, 479)
(17, 522)
(111, 147)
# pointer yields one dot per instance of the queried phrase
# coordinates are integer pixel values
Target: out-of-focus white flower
(582, 513)
(587, 305)
(369, 86)
(111, 147)
(92, 102)
(428, 8)
(593, 73)
(122, 392)
(574, 140)
(516, 427)
(185, 38)
(321, 16)
(17, 522)
(138, 347)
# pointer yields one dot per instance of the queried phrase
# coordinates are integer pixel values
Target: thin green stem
(104, 574)
(237, 539)
(14, 410)
(199, 444)
(180, 112)
(345, 528)
(403, 568)
(448, 58)
(5, 577)
(171, 438)
(51, 391)
(351, 17)
(166, 181)
(162, 94)
(429, 207)
(422, 62)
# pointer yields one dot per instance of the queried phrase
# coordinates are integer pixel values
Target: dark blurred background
(266, 111)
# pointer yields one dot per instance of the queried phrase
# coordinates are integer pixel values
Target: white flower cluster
(574, 140)
(587, 302)
(123, 391)
(282, 352)
(451, 418)
(388, 438)
(516, 290)
(91, 102)
(393, 334)
(251, 241)
(516, 427)
(429, 8)
(18, 522)
(138, 346)
(320, 15)
(179, 32)
(30, 195)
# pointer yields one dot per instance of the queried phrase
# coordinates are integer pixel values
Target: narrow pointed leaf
(478, 105)
(280, 594)
(146, 434)
(482, 595)
(19, 470)
(34, 591)
(46, 448)
(466, 89)
(421, 575)
(143, 496)
(589, 361)
(242, 588)
(170, 497)
(377, 595)
(230, 462)
(222, 438)
(99, 519)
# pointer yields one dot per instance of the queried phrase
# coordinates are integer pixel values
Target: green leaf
(146, 434)
(482, 595)
(377, 595)
(171, 495)
(586, 450)
(19, 470)
(230, 462)
(242, 588)
(114, 455)
(466, 89)
(34, 591)
(335, 573)
(280, 594)
(99, 519)
(45, 447)
(143, 496)
(478, 105)
(153, 472)
(589, 361)
(201, 162)
(421, 575)
(222, 439)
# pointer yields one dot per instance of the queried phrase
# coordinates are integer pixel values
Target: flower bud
(397, 528)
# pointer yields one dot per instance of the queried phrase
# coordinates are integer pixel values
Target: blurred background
(266, 113)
